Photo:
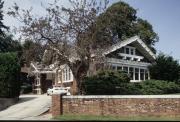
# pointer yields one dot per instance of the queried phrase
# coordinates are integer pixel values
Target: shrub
(106, 82)
(154, 87)
(9, 75)
(165, 68)
(117, 83)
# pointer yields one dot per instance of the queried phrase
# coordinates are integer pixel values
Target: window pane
(69, 74)
(146, 74)
(131, 73)
(119, 68)
(125, 69)
(136, 74)
(132, 51)
(141, 74)
(127, 50)
(137, 70)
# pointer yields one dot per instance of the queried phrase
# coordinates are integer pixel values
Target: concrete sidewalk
(29, 107)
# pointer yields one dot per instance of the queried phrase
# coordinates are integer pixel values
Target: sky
(164, 15)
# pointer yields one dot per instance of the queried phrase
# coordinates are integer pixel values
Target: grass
(111, 118)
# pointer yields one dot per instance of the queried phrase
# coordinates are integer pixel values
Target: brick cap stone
(123, 96)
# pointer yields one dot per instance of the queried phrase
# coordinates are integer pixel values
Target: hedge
(9, 75)
(118, 83)
(106, 82)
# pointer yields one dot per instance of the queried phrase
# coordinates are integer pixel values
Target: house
(132, 56)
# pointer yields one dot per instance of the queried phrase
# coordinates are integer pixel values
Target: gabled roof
(143, 48)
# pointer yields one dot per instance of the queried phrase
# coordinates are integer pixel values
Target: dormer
(129, 53)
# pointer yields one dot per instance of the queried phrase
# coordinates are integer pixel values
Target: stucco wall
(145, 105)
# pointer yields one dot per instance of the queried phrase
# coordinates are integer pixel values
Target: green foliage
(158, 87)
(106, 82)
(117, 83)
(122, 20)
(9, 75)
(2, 26)
(145, 30)
(165, 68)
(32, 51)
(7, 44)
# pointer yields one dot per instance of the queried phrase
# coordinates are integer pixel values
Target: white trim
(127, 62)
(131, 56)
(65, 75)
(34, 66)
(121, 96)
(128, 41)
(133, 78)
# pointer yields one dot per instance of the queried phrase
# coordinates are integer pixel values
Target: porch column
(148, 75)
(38, 83)
(133, 73)
(139, 74)
(144, 74)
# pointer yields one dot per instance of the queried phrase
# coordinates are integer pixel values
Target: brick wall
(149, 105)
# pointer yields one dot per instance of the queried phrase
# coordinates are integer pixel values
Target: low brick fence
(117, 105)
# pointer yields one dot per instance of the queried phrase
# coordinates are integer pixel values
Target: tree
(123, 22)
(7, 44)
(77, 34)
(165, 68)
(9, 75)
(71, 32)
(2, 26)
(32, 51)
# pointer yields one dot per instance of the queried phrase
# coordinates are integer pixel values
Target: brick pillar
(57, 108)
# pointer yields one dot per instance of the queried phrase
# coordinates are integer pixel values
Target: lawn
(111, 118)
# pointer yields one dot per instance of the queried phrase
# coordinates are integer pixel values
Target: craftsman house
(132, 56)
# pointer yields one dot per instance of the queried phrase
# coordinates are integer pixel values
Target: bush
(9, 75)
(159, 87)
(117, 83)
(106, 82)
(165, 68)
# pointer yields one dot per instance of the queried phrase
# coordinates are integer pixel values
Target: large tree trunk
(79, 70)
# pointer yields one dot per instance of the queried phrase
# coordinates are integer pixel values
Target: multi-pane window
(67, 74)
(135, 73)
(129, 50)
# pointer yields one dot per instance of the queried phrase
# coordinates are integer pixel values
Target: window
(67, 74)
(131, 73)
(142, 74)
(136, 74)
(132, 51)
(146, 74)
(125, 69)
(119, 68)
(127, 50)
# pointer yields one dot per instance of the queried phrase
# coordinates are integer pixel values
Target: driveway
(29, 107)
